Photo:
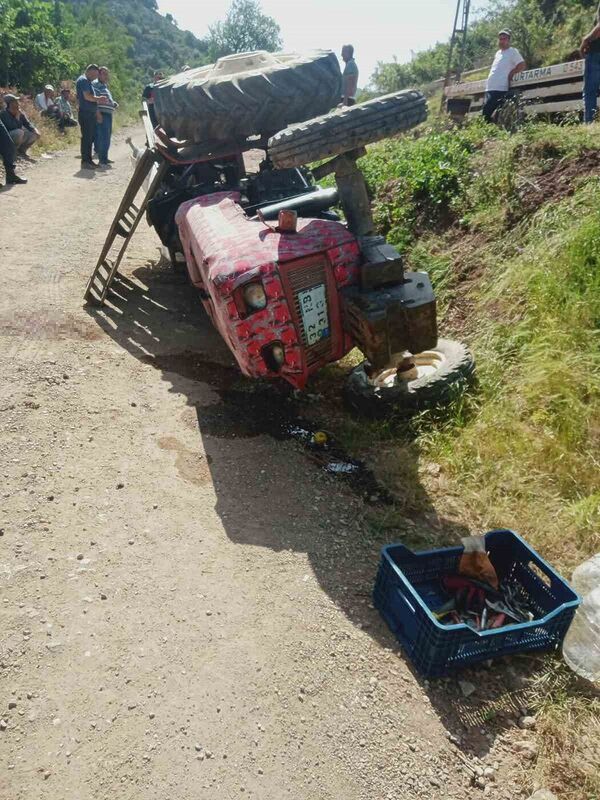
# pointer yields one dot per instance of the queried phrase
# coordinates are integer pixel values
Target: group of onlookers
(96, 107)
(56, 107)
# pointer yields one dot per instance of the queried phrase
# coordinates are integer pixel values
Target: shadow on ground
(158, 318)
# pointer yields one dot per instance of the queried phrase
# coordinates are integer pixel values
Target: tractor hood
(229, 248)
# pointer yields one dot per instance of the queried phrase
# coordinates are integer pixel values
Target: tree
(245, 28)
(532, 32)
(98, 38)
(31, 50)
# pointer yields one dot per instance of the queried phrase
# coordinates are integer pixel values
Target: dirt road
(185, 601)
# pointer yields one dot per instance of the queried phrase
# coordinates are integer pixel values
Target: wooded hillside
(52, 40)
(45, 41)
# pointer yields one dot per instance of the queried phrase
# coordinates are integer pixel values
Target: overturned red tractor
(288, 284)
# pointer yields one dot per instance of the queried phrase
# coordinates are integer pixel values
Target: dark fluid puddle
(250, 408)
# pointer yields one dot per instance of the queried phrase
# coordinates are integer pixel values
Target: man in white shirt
(507, 63)
(46, 102)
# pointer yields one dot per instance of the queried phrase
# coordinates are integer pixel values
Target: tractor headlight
(254, 297)
(274, 356)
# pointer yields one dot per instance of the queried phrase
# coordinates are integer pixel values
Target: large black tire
(454, 369)
(247, 94)
(348, 128)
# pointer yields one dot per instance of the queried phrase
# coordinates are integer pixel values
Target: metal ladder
(124, 224)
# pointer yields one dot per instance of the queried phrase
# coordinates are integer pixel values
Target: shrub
(420, 183)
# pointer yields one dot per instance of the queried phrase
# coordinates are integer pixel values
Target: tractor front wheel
(429, 379)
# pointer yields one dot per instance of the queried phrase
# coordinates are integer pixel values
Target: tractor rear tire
(454, 370)
(247, 94)
(347, 129)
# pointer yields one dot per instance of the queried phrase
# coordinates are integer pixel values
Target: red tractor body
(299, 327)
(291, 297)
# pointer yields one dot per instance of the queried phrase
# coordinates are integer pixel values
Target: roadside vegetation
(508, 227)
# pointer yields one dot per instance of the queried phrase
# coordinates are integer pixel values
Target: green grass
(529, 455)
(523, 450)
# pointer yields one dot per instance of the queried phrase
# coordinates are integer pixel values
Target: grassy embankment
(509, 229)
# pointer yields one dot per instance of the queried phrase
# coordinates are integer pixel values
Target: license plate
(313, 307)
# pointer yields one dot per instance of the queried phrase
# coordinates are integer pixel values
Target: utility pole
(458, 39)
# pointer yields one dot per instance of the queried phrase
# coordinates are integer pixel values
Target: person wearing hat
(507, 63)
(590, 50)
(8, 151)
(19, 128)
(45, 101)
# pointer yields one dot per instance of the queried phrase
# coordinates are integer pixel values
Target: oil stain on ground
(250, 408)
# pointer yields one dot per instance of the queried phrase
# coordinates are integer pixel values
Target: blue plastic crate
(408, 587)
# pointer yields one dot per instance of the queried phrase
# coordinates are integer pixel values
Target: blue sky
(378, 29)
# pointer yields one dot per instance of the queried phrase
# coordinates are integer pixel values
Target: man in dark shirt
(148, 96)
(19, 128)
(88, 104)
(8, 151)
(590, 49)
(349, 76)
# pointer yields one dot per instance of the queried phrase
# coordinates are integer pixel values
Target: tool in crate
(481, 606)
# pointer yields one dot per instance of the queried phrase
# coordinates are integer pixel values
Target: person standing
(8, 151)
(590, 50)
(507, 63)
(148, 96)
(349, 76)
(104, 117)
(19, 128)
(88, 105)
